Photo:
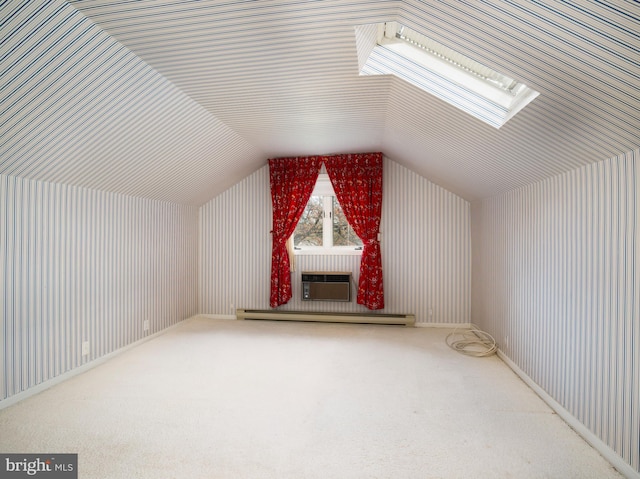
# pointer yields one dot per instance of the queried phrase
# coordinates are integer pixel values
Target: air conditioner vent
(326, 277)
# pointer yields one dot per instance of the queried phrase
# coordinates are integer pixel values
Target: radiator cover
(326, 317)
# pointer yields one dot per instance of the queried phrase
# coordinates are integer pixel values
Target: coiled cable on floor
(472, 342)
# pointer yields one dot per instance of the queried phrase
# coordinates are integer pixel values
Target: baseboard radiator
(362, 318)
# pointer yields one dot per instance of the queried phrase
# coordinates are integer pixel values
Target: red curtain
(292, 182)
(357, 182)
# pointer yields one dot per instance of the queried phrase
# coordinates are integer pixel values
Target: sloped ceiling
(177, 100)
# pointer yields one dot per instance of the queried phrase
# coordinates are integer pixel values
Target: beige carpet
(258, 399)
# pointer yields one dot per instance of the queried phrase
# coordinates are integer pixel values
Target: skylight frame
(462, 82)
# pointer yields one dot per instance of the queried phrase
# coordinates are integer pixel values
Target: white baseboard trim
(609, 454)
(217, 316)
(43, 386)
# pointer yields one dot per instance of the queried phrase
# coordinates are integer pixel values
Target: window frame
(324, 188)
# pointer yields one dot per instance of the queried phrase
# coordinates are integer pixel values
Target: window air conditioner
(325, 286)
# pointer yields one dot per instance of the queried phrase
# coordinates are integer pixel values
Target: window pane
(343, 234)
(309, 229)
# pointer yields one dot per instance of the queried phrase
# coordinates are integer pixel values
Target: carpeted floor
(258, 399)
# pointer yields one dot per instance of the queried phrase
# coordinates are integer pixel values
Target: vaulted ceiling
(177, 100)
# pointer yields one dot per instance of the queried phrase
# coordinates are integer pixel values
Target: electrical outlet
(146, 325)
(85, 348)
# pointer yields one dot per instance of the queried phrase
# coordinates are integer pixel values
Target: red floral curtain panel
(357, 182)
(292, 182)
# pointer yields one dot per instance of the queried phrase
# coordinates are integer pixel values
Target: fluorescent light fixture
(447, 74)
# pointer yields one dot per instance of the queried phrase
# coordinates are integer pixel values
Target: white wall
(81, 265)
(557, 281)
(425, 247)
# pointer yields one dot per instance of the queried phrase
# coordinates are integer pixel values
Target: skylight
(464, 83)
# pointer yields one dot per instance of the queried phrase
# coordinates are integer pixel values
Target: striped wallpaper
(557, 282)
(82, 265)
(179, 100)
(425, 248)
(79, 108)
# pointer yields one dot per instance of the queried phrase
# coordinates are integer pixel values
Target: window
(323, 227)
(460, 81)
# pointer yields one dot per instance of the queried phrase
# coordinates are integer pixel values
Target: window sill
(328, 252)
